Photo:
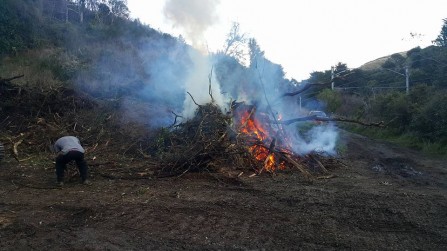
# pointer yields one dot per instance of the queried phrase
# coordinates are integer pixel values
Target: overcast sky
(303, 36)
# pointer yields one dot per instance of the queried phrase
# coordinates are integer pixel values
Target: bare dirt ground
(383, 198)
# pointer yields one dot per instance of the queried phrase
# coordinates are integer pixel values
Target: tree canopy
(441, 40)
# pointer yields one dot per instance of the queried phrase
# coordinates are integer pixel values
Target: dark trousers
(63, 160)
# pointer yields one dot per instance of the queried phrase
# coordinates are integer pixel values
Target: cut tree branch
(315, 118)
(2, 80)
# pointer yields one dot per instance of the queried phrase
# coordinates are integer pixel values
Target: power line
(369, 87)
(406, 75)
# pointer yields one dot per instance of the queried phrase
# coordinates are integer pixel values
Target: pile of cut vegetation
(212, 141)
(203, 143)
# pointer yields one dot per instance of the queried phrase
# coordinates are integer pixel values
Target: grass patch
(409, 140)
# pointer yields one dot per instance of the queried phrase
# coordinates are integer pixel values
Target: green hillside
(377, 63)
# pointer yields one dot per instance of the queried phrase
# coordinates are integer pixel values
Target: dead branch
(205, 142)
(270, 149)
(17, 184)
(252, 111)
(234, 105)
(272, 145)
(209, 87)
(339, 119)
(325, 177)
(15, 150)
(318, 163)
(128, 177)
(193, 100)
(175, 118)
(4, 80)
(267, 101)
(146, 156)
(296, 164)
(100, 164)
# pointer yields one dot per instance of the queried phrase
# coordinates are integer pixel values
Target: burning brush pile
(241, 139)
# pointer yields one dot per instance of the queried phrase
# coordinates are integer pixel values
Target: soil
(383, 197)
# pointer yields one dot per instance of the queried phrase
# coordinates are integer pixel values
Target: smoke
(150, 75)
(194, 17)
(263, 85)
(198, 82)
(321, 139)
(168, 72)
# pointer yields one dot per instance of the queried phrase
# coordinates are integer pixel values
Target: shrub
(430, 120)
(332, 99)
(393, 108)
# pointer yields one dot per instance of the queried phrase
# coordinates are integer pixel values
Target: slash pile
(212, 140)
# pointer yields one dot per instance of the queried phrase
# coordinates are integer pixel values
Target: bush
(16, 29)
(430, 120)
(332, 99)
(393, 108)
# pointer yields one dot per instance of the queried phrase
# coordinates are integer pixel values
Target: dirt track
(385, 197)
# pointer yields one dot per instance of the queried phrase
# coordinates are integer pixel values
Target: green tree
(119, 8)
(103, 13)
(341, 67)
(441, 40)
(395, 62)
(393, 108)
(19, 25)
(430, 120)
(332, 99)
(256, 54)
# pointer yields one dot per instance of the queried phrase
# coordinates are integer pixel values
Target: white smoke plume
(321, 139)
(194, 17)
(197, 84)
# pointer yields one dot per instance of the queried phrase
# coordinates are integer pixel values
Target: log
(319, 163)
(297, 165)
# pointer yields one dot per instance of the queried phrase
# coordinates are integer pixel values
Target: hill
(377, 63)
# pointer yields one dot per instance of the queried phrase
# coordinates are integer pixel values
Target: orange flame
(253, 127)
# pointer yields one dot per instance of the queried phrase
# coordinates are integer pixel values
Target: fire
(252, 126)
(259, 135)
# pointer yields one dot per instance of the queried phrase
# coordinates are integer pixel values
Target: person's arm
(57, 148)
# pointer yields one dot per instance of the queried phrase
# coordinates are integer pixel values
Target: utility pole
(407, 79)
(332, 77)
(406, 75)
